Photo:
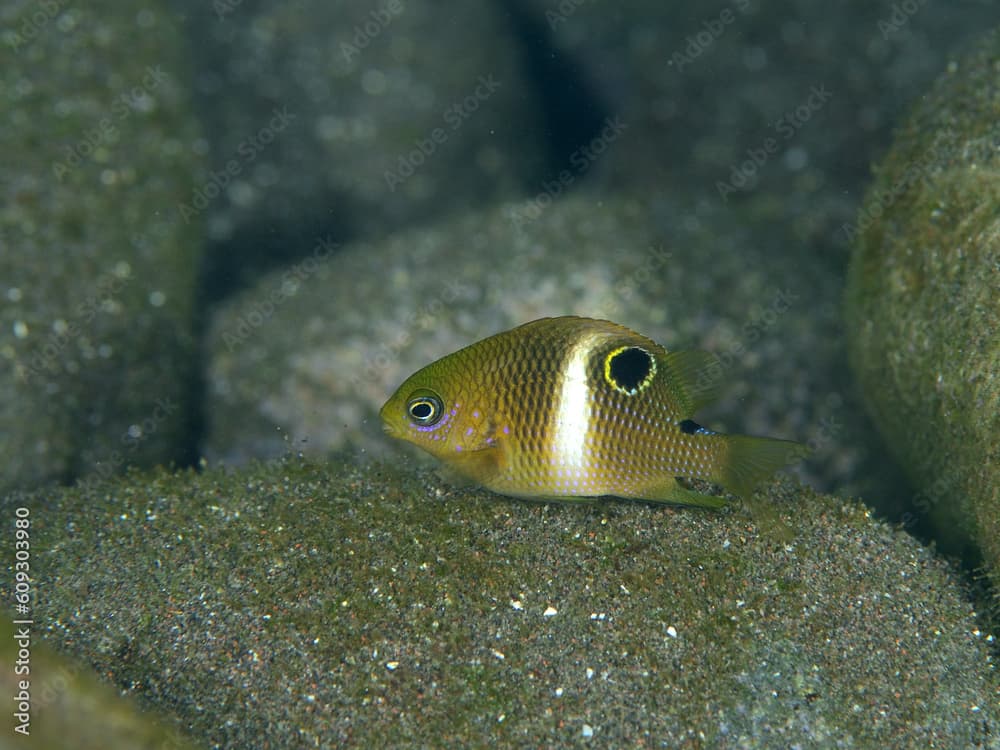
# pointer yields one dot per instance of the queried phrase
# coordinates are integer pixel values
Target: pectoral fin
(481, 466)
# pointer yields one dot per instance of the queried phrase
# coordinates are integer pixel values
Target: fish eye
(425, 409)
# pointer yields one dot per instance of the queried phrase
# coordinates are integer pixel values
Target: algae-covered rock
(313, 350)
(57, 703)
(97, 270)
(923, 301)
(296, 605)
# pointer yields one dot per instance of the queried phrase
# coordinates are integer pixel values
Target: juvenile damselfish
(572, 407)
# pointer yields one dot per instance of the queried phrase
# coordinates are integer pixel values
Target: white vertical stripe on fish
(573, 411)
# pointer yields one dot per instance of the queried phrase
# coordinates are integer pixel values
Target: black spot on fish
(629, 368)
(690, 427)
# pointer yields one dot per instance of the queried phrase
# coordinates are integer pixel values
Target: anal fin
(669, 491)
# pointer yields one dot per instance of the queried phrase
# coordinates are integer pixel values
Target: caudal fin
(751, 460)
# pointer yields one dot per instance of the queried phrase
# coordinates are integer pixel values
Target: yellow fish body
(573, 407)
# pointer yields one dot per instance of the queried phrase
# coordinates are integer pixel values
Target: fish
(574, 408)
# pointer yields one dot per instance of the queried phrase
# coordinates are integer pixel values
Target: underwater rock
(358, 116)
(305, 359)
(295, 604)
(65, 699)
(722, 97)
(923, 302)
(97, 268)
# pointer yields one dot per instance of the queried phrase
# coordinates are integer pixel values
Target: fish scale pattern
(635, 441)
(524, 389)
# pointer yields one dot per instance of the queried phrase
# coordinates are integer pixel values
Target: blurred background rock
(98, 275)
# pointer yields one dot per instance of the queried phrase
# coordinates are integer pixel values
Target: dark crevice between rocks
(266, 244)
(572, 116)
(271, 240)
(965, 558)
(196, 390)
(236, 264)
(572, 112)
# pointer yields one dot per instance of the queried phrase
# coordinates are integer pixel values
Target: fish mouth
(387, 427)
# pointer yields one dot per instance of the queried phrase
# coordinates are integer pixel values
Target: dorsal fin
(695, 379)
